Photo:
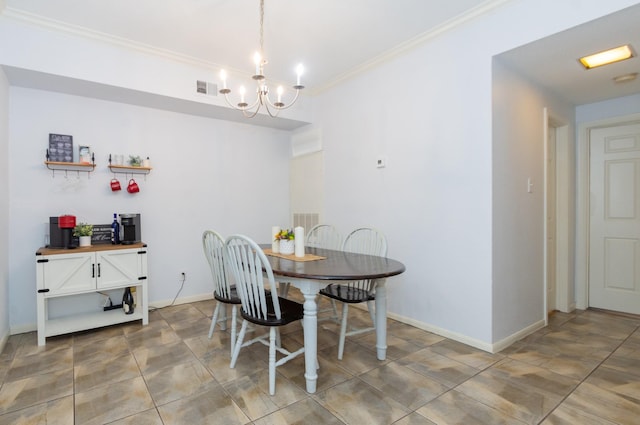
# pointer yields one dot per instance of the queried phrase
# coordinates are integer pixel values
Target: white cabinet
(65, 273)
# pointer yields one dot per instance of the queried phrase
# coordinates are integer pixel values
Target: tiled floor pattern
(584, 368)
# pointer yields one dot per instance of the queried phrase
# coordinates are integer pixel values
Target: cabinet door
(67, 273)
(118, 268)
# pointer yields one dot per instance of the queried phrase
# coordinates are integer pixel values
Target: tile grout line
(590, 373)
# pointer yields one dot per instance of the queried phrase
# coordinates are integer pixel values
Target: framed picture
(101, 234)
(84, 154)
(60, 148)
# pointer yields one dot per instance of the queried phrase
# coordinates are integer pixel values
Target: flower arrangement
(83, 229)
(285, 234)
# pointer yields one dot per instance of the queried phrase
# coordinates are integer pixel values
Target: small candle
(299, 71)
(280, 90)
(223, 77)
(257, 60)
(275, 244)
(299, 241)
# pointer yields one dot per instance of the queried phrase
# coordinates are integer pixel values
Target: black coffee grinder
(131, 230)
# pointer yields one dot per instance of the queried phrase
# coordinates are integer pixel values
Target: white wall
(429, 112)
(4, 208)
(608, 109)
(207, 173)
(432, 199)
(518, 215)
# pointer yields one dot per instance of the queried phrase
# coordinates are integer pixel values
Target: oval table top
(338, 265)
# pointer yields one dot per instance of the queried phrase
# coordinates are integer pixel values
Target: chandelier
(262, 90)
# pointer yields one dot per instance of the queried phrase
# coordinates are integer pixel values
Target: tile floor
(584, 368)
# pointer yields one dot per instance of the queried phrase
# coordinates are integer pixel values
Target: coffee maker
(61, 231)
(131, 230)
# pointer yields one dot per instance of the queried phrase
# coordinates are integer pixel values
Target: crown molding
(80, 31)
(412, 43)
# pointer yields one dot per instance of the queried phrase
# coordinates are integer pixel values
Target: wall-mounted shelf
(128, 169)
(70, 166)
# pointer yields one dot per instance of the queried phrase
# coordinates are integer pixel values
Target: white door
(614, 239)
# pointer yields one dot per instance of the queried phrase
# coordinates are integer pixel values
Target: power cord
(107, 300)
(184, 278)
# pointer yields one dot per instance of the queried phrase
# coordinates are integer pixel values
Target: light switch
(529, 185)
(381, 162)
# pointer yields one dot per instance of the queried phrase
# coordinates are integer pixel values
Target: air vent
(204, 87)
(306, 220)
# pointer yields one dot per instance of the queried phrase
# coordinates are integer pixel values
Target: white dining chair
(364, 240)
(261, 307)
(324, 236)
(224, 292)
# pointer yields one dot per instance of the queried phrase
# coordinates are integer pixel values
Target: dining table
(321, 267)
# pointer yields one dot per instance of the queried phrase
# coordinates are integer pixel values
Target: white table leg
(310, 341)
(310, 290)
(381, 319)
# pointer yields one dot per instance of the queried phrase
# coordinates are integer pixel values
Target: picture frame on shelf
(84, 154)
(60, 147)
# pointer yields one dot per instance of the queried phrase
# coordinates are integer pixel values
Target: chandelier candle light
(262, 99)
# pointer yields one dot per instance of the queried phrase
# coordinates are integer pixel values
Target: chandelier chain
(261, 28)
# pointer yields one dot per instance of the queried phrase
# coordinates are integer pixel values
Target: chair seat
(234, 298)
(347, 294)
(290, 311)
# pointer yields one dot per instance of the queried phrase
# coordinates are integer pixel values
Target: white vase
(287, 246)
(85, 240)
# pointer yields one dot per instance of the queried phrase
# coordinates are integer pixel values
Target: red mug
(133, 186)
(115, 185)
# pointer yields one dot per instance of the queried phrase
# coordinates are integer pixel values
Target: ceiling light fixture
(606, 57)
(625, 78)
(273, 108)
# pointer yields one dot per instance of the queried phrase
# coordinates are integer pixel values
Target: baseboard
(504, 343)
(3, 341)
(464, 339)
(482, 345)
(183, 300)
(23, 329)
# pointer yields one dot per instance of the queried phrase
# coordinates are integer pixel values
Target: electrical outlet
(184, 276)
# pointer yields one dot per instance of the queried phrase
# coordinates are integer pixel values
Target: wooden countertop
(93, 248)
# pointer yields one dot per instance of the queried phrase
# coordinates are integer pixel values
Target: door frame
(563, 211)
(583, 202)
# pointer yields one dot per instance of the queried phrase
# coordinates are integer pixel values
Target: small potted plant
(84, 232)
(134, 161)
(286, 237)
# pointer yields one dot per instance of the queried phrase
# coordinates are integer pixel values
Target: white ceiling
(334, 38)
(553, 61)
(330, 37)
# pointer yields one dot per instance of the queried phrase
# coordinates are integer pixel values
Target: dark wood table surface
(338, 265)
